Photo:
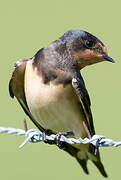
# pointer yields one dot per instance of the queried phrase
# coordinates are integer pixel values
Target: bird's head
(85, 48)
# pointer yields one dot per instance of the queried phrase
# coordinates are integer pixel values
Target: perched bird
(52, 92)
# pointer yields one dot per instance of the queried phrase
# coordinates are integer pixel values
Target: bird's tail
(83, 156)
(95, 160)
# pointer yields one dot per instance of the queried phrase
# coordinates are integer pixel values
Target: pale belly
(53, 107)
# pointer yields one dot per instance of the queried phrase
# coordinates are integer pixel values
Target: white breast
(54, 107)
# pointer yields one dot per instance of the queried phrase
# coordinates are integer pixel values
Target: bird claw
(58, 137)
(49, 132)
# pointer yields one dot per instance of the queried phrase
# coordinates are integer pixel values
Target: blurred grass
(26, 26)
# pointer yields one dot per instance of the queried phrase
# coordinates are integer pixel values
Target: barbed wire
(34, 135)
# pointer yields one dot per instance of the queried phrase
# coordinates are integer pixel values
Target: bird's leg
(58, 137)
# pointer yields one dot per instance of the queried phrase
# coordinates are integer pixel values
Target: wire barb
(33, 135)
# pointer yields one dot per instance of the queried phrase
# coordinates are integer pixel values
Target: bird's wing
(16, 87)
(80, 89)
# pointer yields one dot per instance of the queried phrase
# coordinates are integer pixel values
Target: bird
(51, 90)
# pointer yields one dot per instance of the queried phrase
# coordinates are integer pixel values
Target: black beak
(108, 58)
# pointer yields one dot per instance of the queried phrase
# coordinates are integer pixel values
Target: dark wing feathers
(80, 89)
(16, 88)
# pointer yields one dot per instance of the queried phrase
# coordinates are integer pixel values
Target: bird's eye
(89, 43)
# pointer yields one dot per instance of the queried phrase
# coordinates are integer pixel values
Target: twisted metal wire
(34, 135)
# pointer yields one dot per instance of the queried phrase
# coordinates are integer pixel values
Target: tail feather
(100, 167)
(98, 164)
(83, 156)
(83, 164)
(94, 158)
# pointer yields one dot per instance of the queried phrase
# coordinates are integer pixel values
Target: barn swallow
(52, 92)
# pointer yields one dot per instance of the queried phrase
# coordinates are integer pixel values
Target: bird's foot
(58, 137)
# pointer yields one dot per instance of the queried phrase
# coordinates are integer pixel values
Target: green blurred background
(25, 27)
